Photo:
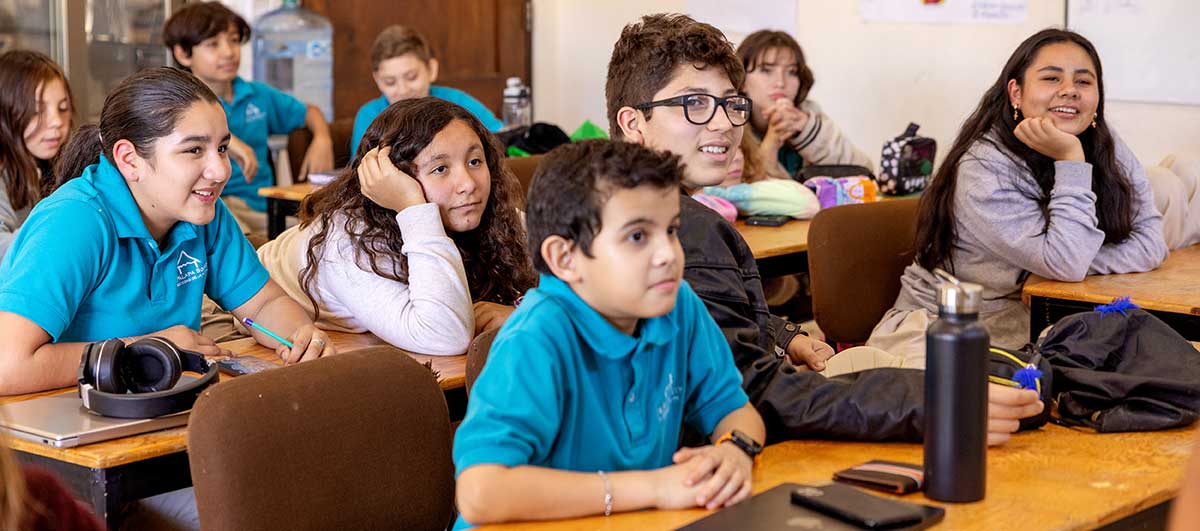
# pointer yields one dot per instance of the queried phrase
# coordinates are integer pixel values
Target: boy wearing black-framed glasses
(673, 84)
(659, 68)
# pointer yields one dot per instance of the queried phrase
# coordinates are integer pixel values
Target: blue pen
(250, 322)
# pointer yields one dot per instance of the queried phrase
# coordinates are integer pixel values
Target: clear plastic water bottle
(293, 52)
(517, 108)
(956, 358)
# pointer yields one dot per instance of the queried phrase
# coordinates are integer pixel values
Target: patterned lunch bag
(907, 163)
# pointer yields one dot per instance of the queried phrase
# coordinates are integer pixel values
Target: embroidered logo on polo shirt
(671, 393)
(190, 269)
(253, 113)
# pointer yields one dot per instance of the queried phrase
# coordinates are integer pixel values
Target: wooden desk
(1054, 478)
(778, 250)
(111, 473)
(283, 201)
(1171, 292)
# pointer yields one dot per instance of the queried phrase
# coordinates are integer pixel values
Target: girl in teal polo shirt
(131, 246)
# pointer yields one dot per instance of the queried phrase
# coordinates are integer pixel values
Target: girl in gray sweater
(35, 119)
(1036, 182)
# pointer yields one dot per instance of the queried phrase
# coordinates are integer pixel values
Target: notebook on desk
(61, 421)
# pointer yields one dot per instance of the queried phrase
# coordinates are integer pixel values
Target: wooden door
(479, 44)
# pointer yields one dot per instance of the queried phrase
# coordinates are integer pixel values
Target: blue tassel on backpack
(1119, 304)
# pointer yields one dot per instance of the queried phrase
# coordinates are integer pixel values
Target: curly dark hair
(993, 122)
(497, 266)
(647, 52)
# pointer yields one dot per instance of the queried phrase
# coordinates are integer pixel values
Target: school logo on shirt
(190, 269)
(671, 393)
(253, 113)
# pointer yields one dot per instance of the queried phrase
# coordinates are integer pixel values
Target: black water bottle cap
(957, 297)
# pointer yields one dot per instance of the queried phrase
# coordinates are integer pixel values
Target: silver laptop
(61, 421)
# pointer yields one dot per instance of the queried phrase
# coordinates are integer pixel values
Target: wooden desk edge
(101, 455)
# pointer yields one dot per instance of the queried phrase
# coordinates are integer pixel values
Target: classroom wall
(872, 79)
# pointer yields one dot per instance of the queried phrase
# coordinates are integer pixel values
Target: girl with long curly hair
(1036, 182)
(424, 222)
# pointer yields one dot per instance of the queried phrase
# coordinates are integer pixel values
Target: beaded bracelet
(607, 493)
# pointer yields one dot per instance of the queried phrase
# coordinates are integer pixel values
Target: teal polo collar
(600, 335)
(241, 91)
(115, 193)
(126, 216)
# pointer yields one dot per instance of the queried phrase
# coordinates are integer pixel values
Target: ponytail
(81, 151)
(143, 108)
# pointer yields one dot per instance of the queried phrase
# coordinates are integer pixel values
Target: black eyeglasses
(699, 109)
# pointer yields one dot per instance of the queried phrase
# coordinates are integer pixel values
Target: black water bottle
(956, 357)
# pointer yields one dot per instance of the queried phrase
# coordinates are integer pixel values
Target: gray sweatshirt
(10, 219)
(1000, 236)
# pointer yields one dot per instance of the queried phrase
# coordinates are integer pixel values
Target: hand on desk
(806, 351)
(308, 343)
(708, 476)
(1006, 407)
(188, 339)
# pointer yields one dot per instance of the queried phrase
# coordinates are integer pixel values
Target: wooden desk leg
(107, 490)
(1039, 317)
(276, 217)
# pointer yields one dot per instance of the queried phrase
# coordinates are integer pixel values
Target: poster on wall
(739, 18)
(945, 11)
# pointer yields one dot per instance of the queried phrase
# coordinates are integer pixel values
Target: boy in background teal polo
(579, 408)
(206, 38)
(403, 67)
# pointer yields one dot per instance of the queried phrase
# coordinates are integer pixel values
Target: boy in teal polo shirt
(579, 408)
(403, 67)
(206, 39)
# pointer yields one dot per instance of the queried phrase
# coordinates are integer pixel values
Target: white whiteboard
(1149, 48)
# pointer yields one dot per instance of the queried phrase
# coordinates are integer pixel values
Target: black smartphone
(857, 507)
(767, 221)
(242, 365)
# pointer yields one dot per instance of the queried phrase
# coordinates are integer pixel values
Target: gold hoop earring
(1015, 112)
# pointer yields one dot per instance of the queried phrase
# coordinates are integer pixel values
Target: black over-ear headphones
(137, 381)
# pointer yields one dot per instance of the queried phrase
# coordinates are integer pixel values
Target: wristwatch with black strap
(743, 442)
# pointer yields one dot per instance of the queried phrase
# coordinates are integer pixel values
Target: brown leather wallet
(887, 476)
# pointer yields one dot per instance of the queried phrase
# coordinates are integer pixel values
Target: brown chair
(355, 441)
(339, 132)
(523, 168)
(856, 255)
(477, 354)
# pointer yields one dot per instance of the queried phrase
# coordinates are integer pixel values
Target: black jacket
(876, 405)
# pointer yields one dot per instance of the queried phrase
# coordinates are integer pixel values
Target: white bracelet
(607, 493)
